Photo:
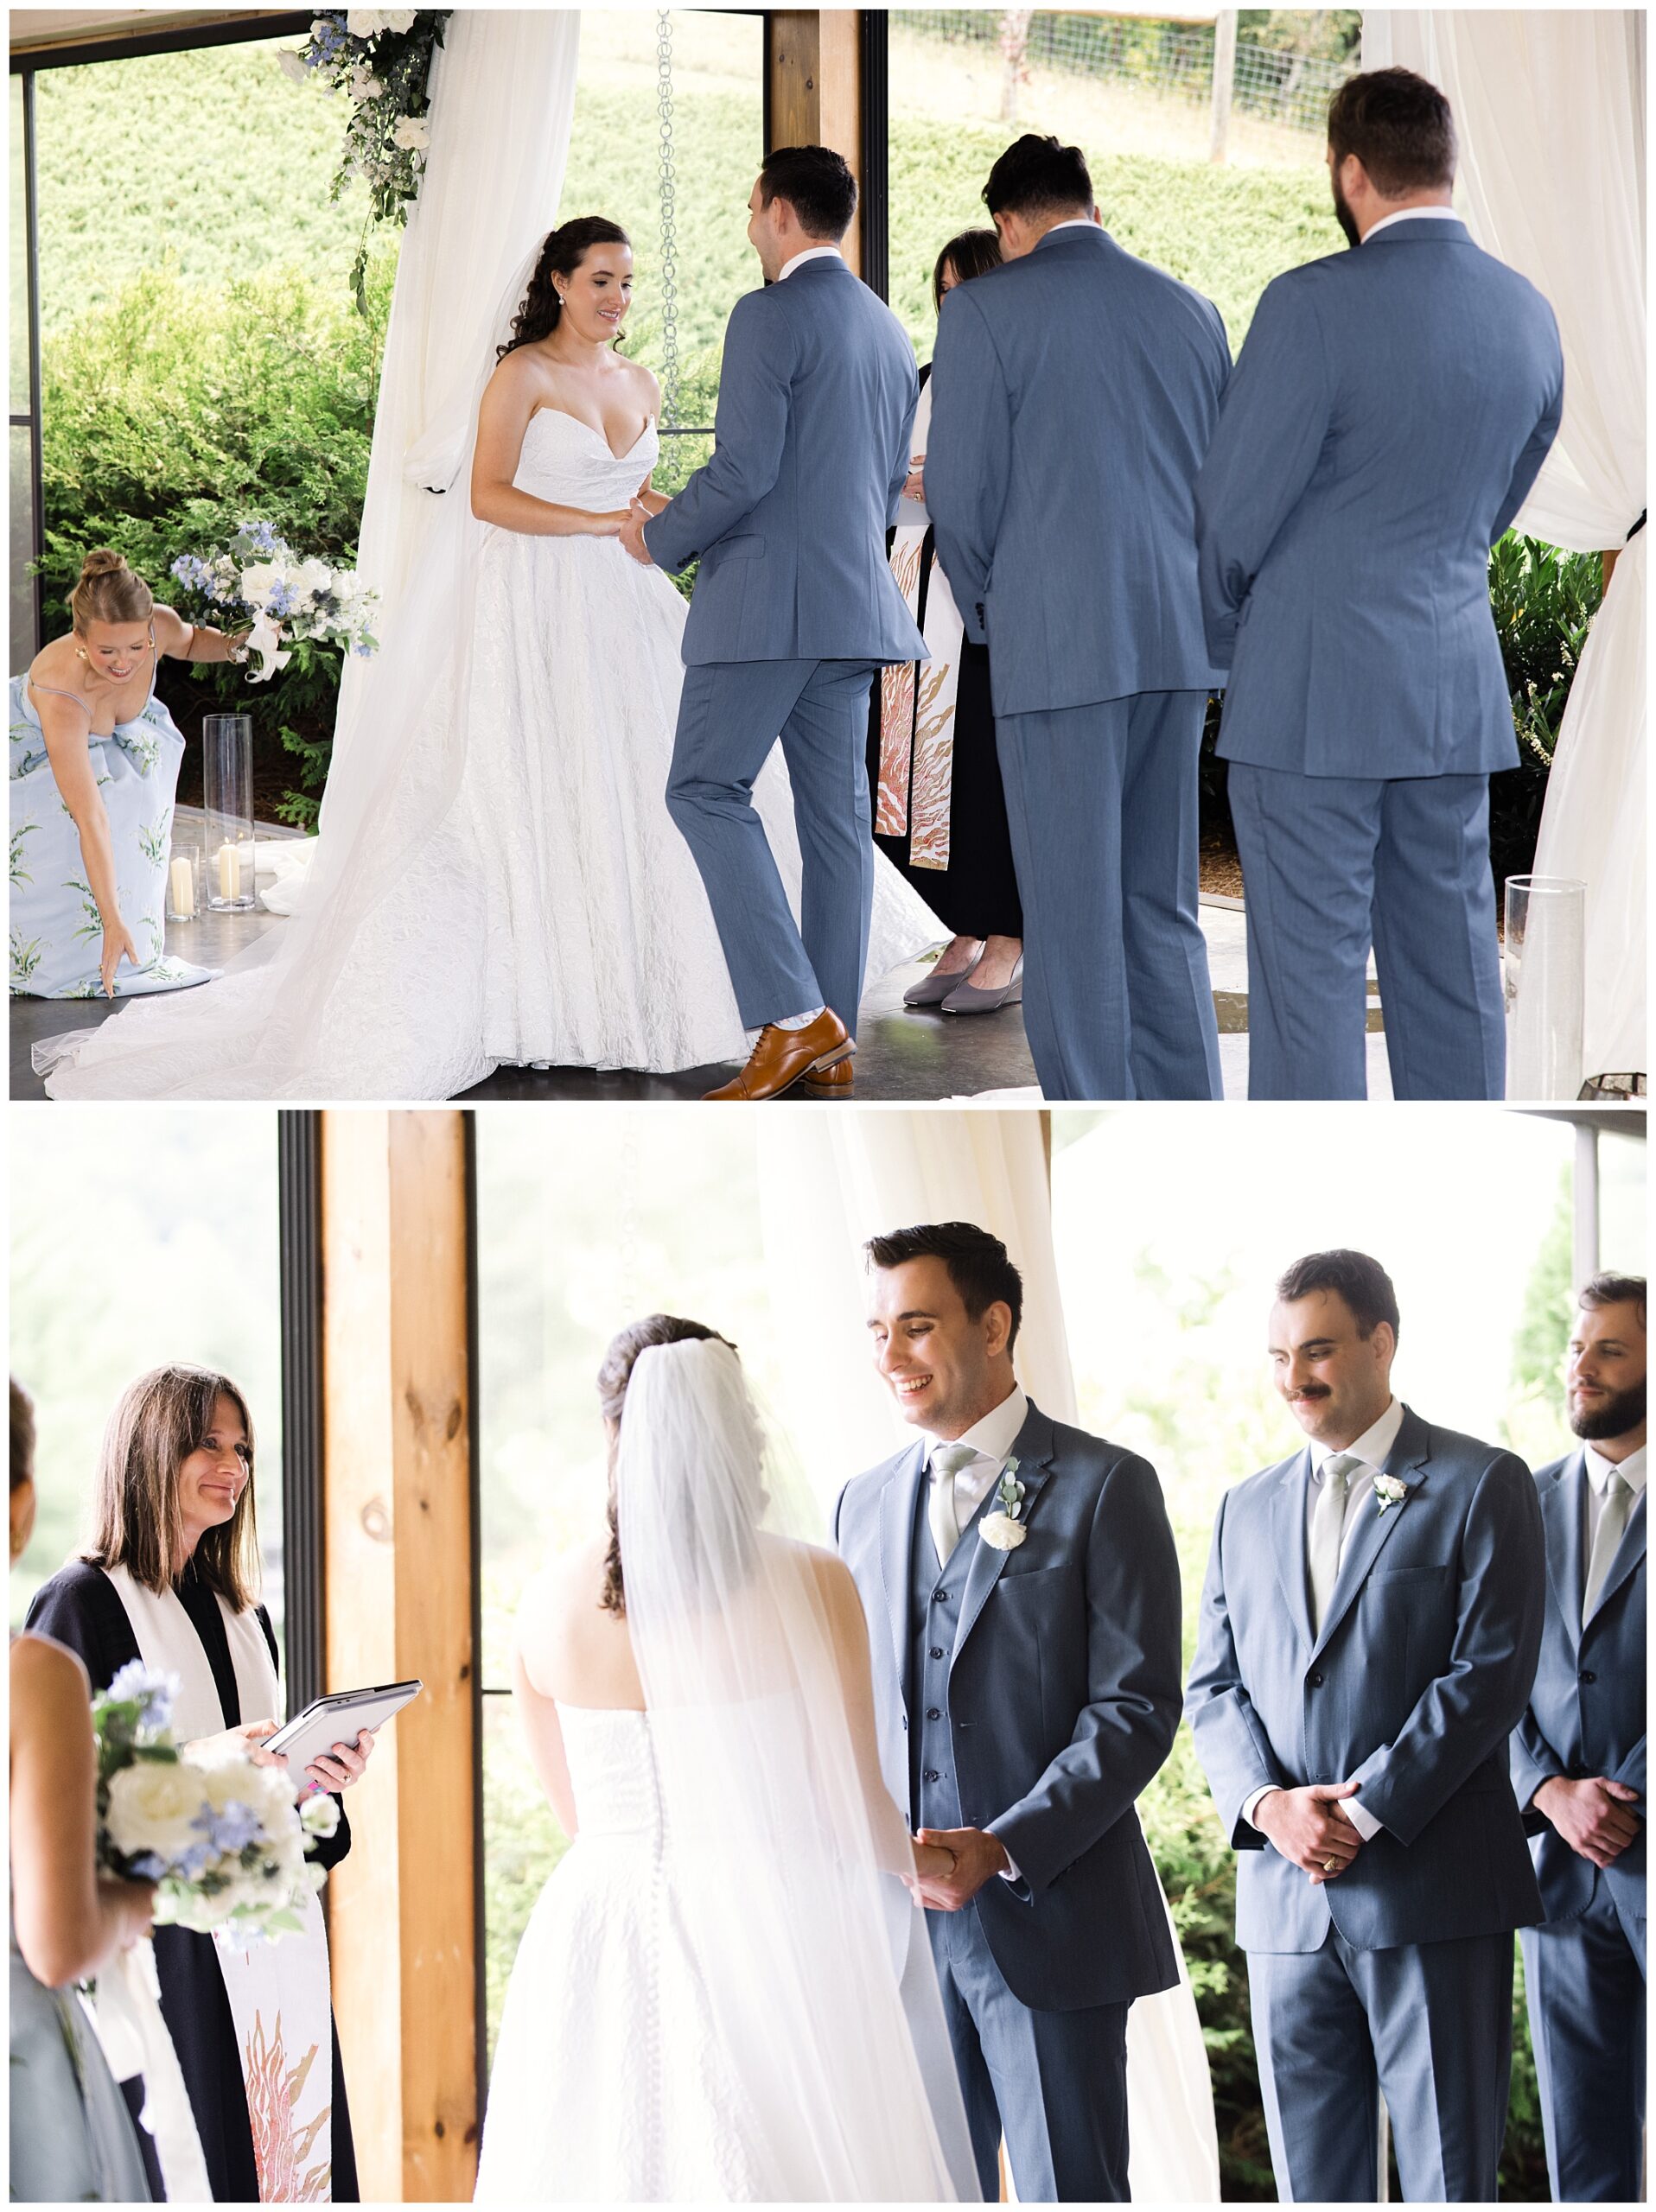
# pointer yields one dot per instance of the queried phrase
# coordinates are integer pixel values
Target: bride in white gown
(724, 1992)
(499, 881)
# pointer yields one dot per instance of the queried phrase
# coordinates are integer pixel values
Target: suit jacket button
(936, 1651)
(932, 1713)
(940, 1597)
(1588, 1675)
(1317, 1681)
(930, 1775)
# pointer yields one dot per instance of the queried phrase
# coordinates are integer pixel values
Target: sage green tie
(1607, 1538)
(946, 1462)
(1327, 1525)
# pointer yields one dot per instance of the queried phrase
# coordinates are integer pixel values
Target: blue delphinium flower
(148, 1867)
(152, 1693)
(229, 1828)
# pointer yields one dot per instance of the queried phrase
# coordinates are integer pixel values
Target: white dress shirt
(1073, 223)
(809, 253)
(1410, 215)
(1599, 1471)
(1372, 1450)
(992, 1438)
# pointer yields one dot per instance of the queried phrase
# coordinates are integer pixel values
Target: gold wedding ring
(1328, 1866)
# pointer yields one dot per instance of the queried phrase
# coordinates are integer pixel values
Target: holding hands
(1595, 1816)
(952, 1865)
(1309, 1826)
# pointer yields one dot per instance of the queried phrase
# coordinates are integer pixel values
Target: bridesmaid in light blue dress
(94, 767)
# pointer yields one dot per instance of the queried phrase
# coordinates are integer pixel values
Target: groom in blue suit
(1022, 1590)
(1367, 1640)
(1074, 392)
(794, 609)
(1390, 411)
(1578, 1766)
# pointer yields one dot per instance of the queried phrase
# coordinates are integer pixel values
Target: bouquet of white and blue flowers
(220, 1836)
(259, 582)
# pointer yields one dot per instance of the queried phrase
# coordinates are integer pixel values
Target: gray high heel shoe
(933, 988)
(968, 999)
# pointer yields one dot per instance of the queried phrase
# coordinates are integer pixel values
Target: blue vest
(934, 1595)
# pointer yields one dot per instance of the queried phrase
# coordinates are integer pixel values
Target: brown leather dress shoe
(784, 1056)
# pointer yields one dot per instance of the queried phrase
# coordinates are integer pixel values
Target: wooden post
(815, 95)
(398, 1543)
(1224, 82)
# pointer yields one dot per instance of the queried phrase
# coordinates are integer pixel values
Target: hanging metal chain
(669, 238)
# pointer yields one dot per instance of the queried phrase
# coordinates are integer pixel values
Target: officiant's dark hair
(157, 1422)
(612, 1378)
(817, 183)
(1037, 176)
(973, 253)
(565, 249)
(1362, 1282)
(1400, 128)
(980, 1265)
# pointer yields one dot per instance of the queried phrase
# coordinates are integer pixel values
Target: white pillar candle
(229, 872)
(183, 890)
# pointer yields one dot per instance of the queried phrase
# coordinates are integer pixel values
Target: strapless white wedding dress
(610, 2081)
(548, 912)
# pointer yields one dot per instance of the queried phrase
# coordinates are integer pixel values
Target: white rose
(364, 23)
(399, 19)
(313, 576)
(364, 85)
(413, 133)
(320, 1816)
(151, 1806)
(258, 582)
(1001, 1532)
(292, 65)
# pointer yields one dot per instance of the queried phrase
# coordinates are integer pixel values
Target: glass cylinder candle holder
(1545, 982)
(227, 806)
(184, 886)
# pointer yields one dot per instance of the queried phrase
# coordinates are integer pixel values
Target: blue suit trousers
(1332, 864)
(1054, 2083)
(1429, 2024)
(730, 714)
(1102, 805)
(1584, 1980)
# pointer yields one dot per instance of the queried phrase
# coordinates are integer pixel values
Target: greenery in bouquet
(220, 1836)
(259, 582)
(381, 59)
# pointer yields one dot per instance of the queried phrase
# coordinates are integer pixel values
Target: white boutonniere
(1389, 1489)
(1004, 1531)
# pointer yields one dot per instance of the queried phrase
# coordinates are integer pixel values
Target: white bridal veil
(785, 1848)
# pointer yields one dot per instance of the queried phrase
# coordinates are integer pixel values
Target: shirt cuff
(1360, 1818)
(1009, 1871)
(1252, 1799)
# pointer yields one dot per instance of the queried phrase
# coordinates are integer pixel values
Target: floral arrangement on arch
(381, 58)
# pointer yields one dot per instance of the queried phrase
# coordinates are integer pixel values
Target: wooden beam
(398, 1546)
(816, 90)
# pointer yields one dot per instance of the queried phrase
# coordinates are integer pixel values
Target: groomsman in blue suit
(1022, 1590)
(1074, 392)
(1578, 1766)
(1368, 1638)
(1387, 417)
(794, 609)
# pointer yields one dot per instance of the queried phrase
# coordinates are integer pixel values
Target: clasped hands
(1310, 1826)
(952, 1865)
(1594, 1816)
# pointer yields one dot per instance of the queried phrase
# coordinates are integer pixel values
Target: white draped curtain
(502, 106)
(829, 1181)
(1550, 111)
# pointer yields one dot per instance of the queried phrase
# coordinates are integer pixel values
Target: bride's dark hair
(565, 250)
(612, 1378)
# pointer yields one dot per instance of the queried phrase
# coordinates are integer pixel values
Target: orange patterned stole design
(281, 2144)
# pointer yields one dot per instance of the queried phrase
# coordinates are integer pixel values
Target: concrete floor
(914, 1056)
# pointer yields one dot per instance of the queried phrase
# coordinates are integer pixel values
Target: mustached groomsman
(1022, 1590)
(1074, 392)
(1367, 1640)
(1388, 415)
(1578, 1765)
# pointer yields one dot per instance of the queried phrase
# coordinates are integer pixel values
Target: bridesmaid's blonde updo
(109, 591)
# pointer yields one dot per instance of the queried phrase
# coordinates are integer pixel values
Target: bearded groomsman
(1386, 419)
(1022, 1589)
(1578, 1765)
(1368, 1637)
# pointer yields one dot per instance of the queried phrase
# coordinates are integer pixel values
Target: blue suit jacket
(1063, 1702)
(1074, 392)
(1411, 1689)
(816, 396)
(1389, 414)
(1586, 1714)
